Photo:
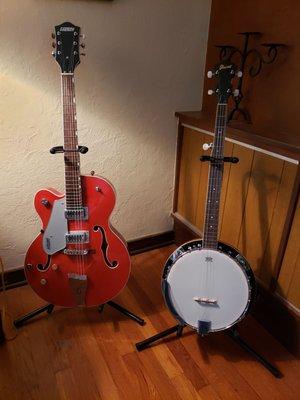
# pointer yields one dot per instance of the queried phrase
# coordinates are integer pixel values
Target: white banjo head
(213, 286)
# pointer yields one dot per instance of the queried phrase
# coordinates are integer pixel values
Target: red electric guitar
(78, 259)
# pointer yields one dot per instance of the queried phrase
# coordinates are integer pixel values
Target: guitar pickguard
(54, 237)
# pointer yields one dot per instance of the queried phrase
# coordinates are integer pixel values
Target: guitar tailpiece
(203, 327)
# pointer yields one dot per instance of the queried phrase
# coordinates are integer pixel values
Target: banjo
(208, 285)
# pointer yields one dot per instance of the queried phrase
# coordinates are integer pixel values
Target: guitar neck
(211, 225)
(71, 154)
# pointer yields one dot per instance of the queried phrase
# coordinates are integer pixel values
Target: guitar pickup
(77, 237)
(77, 215)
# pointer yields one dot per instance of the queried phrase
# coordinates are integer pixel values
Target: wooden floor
(79, 354)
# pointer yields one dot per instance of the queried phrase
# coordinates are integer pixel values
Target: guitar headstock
(224, 73)
(67, 45)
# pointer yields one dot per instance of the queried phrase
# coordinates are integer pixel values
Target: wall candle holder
(227, 52)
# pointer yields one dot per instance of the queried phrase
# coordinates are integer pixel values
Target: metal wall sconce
(227, 52)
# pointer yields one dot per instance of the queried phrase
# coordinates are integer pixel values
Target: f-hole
(104, 247)
(43, 267)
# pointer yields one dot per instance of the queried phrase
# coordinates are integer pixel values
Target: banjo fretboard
(211, 224)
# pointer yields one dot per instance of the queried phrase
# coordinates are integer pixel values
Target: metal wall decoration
(227, 52)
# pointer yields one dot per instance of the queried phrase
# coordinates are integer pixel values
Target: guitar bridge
(76, 252)
(205, 300)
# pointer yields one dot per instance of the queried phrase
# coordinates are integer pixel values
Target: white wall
(144, 60)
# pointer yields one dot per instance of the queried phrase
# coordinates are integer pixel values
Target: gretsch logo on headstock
(67, 29)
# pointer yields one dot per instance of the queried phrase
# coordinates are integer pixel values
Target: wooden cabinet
(256, 204)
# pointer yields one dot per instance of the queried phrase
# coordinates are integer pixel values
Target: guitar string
(81, 244)
(218, 171)
(73, 157)
(76, 160)
(70, 145)
(209, 224)
(211, 217)
(206, 236)
(218, 183)
(212, 225)
(66, 142)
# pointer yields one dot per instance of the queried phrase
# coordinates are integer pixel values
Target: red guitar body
(105, 267)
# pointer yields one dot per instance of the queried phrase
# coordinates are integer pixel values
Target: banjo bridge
(205, 300)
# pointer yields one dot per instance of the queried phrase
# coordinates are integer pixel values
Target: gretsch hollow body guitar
(78, 259)
(208, 285)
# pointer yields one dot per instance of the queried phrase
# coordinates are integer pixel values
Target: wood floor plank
(80, 354)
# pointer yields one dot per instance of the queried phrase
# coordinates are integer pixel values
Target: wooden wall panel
(289, 277)
(236, 195)
(294, 293)
(260, 203)
(278, 220)
(202, 186)
(189, 176)
(254, 203)
(228, 150)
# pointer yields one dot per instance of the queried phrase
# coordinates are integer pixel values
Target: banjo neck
(212, 210)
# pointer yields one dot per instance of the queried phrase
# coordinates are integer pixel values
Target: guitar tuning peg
(53, 45)
(236, 92)
(210, 92)
(82, 35)
(53, 35)
(53, 53)
(239, 74)
(82, 45)
(82, 54)
(210, 74)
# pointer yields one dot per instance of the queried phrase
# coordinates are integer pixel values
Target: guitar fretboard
(210, 234)
(71, 155)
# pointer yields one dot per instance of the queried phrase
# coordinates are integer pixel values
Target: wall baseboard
(16, 277)
(272, 312)
(150, 242)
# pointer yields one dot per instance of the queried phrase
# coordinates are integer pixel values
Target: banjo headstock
(224, 74)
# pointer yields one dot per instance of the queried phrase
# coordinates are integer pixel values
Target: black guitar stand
(48, 308)
(232, 332)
